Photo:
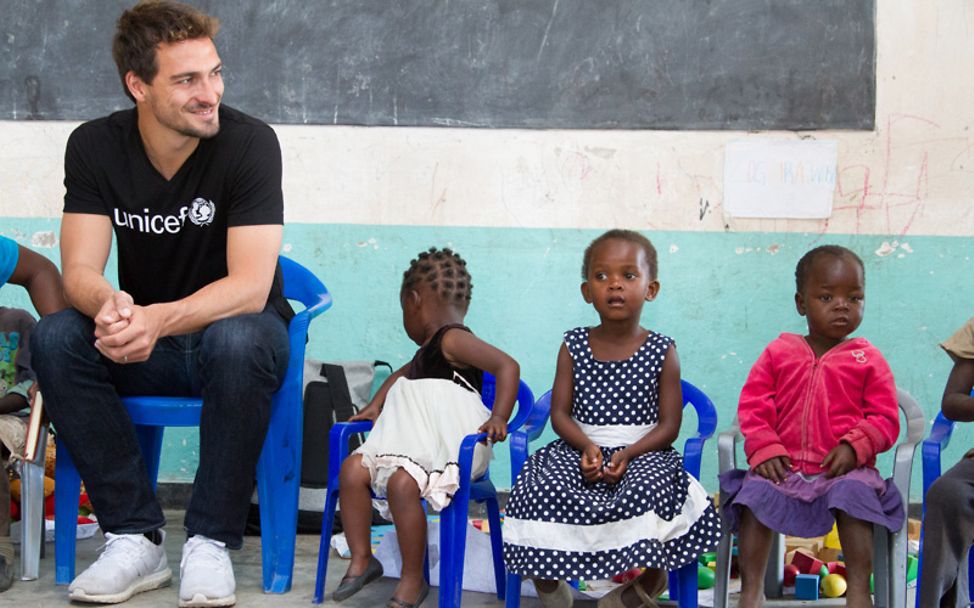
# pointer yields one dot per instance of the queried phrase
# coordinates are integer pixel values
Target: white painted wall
(912, 175)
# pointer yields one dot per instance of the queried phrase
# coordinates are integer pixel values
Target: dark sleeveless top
(429, 362)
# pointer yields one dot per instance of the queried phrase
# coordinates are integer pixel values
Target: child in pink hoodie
(815, 411)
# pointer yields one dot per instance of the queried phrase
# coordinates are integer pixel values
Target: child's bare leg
(545, 586)
(410, 520)
(856, 537)
(754, 545)
(652, 580)
(355, 500)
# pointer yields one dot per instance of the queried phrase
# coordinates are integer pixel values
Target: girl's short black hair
(805, 264)
(623, 235)
(445, 272)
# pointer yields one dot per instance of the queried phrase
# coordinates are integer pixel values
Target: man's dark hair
(142, 28)
(622, 235)
(805, 264)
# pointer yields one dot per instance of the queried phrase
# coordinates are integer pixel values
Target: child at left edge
(611, 494)
(40, 277)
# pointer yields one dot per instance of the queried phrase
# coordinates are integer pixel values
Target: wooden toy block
(806, 561)
(809, 544)
(828, 554)
(913, 529)
(806, 587)
(837, 568)
(832, 538)
(705, 558)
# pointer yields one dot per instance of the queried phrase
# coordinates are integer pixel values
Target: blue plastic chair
(279, 466)
(453, 519)
(683, 582)
(931, 450)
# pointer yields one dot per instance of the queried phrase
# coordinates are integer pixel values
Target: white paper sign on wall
(769, 178)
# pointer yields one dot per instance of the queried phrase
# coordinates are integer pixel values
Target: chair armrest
(338, 439)
(692, 454)
(932, 449)
(465, 461)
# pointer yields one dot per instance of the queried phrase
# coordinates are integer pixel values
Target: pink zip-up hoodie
(798, 406)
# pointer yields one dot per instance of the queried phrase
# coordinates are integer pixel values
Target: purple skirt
(805, 505)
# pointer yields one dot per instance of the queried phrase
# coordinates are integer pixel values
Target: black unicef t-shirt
(172, 235)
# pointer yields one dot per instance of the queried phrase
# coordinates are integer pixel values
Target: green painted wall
(724, 296)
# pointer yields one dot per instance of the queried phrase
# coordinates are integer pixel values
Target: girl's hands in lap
(591, 463)
(776, 469)
(617, 467)
(839, 461)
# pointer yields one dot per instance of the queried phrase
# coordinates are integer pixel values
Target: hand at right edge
(776, 469)
(591, 463)
(369, 412)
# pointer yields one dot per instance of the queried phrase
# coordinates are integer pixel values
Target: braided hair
(444, 271)
(805, 264)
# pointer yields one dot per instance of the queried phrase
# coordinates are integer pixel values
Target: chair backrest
(302, 285)
(706, 413)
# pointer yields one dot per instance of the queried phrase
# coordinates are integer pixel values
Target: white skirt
(420, 431)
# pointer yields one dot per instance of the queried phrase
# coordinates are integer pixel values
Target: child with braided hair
(422, 412)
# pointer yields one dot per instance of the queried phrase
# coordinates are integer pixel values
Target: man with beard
(192, 191)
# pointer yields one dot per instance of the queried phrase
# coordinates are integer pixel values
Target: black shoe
(395, 602)
(6, 574)
(351, 585)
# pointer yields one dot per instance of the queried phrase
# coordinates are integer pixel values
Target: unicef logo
(201, 212)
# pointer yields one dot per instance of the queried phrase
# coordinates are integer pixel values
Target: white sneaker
(206, 574)
(128, 564)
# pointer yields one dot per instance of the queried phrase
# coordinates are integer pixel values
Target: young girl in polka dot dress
(611, 494)
(422, 412)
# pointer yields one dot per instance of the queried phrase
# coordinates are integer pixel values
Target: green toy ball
(705, 577)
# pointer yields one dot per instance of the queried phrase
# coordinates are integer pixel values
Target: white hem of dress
(608, 536)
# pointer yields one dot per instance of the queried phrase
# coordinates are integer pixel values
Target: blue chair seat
(279, 466)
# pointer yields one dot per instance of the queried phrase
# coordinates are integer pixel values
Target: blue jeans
(235, 364)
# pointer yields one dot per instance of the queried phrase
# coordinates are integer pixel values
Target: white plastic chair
(889, 554)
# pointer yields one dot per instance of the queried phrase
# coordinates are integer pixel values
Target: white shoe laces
(121, 547)
(206, 552)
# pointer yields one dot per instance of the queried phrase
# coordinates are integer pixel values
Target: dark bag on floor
(333, 392)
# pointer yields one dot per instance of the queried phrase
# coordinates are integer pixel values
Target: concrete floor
(247, 567)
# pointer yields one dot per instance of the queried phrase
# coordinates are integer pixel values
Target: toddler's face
(618, 279)
(833, 298)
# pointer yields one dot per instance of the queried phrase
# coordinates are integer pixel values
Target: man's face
(185, 94)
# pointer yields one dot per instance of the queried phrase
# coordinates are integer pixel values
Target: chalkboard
(627, 64)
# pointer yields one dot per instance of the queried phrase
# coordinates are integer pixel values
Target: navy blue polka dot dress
(557, 526)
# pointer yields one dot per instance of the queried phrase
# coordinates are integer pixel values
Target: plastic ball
(823, 571)
(833, 585)
(791, 571)
(705, 577)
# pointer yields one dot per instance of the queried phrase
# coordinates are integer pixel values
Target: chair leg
(278, 485)
(67, 489)
(496, 545)
(453, 521)
(513, 591)
(324, 546)
(722, 578)
(32, 518)
(686, 586)
(774, 574)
